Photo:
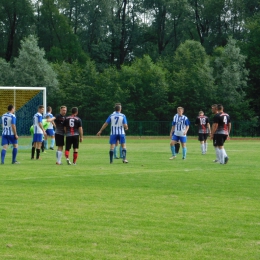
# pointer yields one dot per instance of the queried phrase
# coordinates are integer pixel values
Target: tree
(6, 73)
(17, 21)
(192, 81)
(31, 69)
(146, 90)
(251, 47)
(56, 35)
(231, 79)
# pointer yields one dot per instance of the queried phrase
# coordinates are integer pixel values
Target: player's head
(63, 110)
(49, 109)
(74, 111)
(117, 104)
(201, 113)
(180, 110)
(10, 108)
(214, 108)
(40, 108)
(220, 107)
(118, 108)
(47, 117)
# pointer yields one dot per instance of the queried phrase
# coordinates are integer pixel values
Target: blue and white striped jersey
(180, 123)
(37, 118)
(8, 119)
(51, 116)
(117, 121)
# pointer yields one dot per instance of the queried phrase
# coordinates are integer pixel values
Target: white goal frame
(27, 88)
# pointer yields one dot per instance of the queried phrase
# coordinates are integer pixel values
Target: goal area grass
(151, 208)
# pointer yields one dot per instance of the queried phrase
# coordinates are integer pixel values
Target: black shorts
(219, 139)
(72, 140)
(202, 137)
(59, 140)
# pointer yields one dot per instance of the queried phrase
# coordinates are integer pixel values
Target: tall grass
(152, 208)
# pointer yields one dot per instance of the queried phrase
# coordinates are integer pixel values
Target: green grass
(151, 208)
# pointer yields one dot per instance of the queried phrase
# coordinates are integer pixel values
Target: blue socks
(173, 150)
(52, 142)
(14, 154)
(3, 153)
(184, 152)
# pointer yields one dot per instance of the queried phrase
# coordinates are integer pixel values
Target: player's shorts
(182, 139)
(37, 138)
(72, 140)
(9, 139)
(114, 138)
(50, 132)
(203, 137)
(220, 139)
(59, 140)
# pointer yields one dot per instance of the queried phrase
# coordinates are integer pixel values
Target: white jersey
(36, 120)
(51, 116)
(180, 123)
(8, 119)
(117, 121)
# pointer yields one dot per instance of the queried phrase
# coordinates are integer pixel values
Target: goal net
(26, 101)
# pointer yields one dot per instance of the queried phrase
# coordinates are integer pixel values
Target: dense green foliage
(150, 55)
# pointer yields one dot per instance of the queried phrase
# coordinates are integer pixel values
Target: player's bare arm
(229, 129)
(172, 130)
(14, 131)
(80, 134)
(102, 128)
(213, 130)
(125, 126)
(186, 130)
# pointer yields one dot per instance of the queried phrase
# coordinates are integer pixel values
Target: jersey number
(225, 120)
(5, 121)
(116, 118)
(71, 123)
(202, 121)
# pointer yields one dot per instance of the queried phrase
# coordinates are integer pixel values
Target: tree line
(150, 55)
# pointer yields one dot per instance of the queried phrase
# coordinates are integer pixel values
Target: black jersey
(202, 122)
(223, 120)
(72, 124)
(59, 122)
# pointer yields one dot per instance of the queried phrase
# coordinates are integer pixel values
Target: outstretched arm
(102, 128)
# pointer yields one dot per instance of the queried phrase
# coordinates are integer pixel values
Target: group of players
(69, 132)
(219, 132)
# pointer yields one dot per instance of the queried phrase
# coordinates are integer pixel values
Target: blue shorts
(50, 132)
(9, 139)
(37, 138)
(182, 139)
(115, 138)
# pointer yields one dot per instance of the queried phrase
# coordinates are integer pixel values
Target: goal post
(26, 101)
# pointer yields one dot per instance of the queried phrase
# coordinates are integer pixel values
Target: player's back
(7, 120)
(117, 121)
(202, 122)
(72, 124)
(223, 122)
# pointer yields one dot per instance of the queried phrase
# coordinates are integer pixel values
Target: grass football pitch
(151, 208)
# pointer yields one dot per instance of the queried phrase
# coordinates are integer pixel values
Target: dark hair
(220, 107)
(40, 106)
(74, 110)
(49, 109)
(117, 108)
(10, 107)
